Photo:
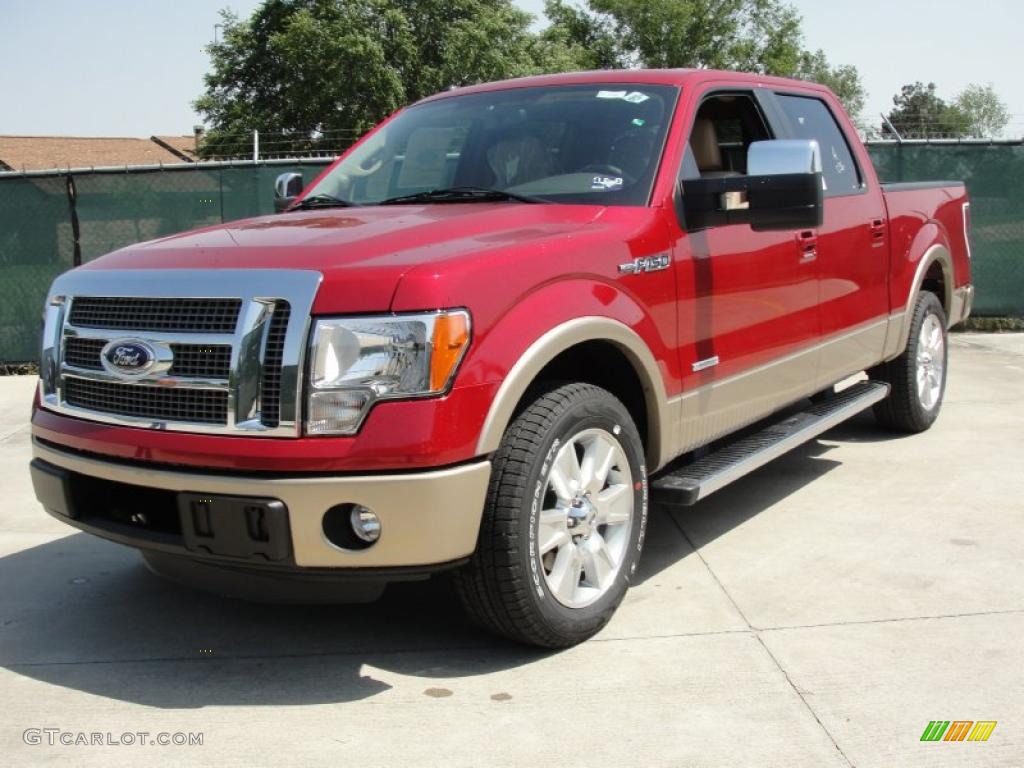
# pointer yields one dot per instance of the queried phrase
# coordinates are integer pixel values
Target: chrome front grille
(272, 359)
(228, 362)
(166, 315)
(201, 361)
(200, 406)
(84, 353)
(191, 361)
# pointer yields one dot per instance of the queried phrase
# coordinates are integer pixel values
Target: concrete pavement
(817, 613)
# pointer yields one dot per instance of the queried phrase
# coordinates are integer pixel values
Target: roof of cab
(676, 77)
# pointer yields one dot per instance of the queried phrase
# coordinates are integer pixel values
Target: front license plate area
(235, 526)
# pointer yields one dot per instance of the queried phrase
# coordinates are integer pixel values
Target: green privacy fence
(994, 173)
(52, 221)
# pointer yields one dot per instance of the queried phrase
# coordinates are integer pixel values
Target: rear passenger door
(851, 248)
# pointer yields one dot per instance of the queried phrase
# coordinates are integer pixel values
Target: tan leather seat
(704, 143)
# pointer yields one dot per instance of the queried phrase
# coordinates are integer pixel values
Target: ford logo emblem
(128, 357)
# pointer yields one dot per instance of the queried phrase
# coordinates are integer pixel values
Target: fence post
(76, 255)
(255, 147)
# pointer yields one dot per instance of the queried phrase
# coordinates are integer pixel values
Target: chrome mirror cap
(783, 157)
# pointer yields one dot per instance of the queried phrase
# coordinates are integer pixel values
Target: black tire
(503, 587)
(903, 410)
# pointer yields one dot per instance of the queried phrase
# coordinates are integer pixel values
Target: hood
(361, 252)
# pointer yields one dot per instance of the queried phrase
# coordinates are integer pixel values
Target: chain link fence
(52, 221)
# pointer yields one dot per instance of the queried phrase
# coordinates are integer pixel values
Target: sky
(131, 68)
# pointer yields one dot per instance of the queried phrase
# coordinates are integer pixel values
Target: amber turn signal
(451, 336)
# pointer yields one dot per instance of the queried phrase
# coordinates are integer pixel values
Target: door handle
(877, 232)
(807, 242)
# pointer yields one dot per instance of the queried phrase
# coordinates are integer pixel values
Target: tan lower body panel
(716, 409)
(426, 517)
(852, 352)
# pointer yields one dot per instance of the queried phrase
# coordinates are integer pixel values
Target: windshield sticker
(633, 97)
(606, 183)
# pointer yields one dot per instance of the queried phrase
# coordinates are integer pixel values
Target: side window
(811, 118)
(724, 128)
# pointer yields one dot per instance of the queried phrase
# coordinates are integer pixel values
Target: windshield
(595, 144)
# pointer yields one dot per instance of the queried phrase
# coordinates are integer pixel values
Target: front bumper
(427, 518)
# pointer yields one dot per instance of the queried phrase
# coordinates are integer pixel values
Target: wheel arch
(561, 345)
(933, 273)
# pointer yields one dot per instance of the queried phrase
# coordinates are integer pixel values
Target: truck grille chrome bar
(205, 361)
(228, 347)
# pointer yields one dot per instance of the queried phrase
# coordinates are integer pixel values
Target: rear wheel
(918, 376)
(563, 527)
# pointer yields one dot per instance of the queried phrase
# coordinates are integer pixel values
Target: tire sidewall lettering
(536, 574)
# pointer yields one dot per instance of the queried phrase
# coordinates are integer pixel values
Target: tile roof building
(32, 153)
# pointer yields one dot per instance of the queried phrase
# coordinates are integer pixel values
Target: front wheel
(917, 377)
(564, 522)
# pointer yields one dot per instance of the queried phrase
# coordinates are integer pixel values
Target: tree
(591, 35)
(985, 113)
(919, 113)
(748, 35)
(751, 35)
(844, 80)
(304, 70)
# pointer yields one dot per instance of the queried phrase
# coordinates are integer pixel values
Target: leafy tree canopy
(305, 68)
(310, 71)
(920, 113)
(985, 113)
(747, 35)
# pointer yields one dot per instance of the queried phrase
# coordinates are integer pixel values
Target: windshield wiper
(321, 201)
(460, 195)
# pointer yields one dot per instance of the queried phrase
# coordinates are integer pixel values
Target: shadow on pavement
(82, 613)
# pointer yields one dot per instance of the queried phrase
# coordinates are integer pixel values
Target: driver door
(748, 301)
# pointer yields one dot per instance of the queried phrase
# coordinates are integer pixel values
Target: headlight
(356, 361)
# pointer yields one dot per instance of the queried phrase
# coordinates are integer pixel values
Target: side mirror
(782, 190)
(287, 187)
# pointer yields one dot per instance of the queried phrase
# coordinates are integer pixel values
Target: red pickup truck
(481, 339)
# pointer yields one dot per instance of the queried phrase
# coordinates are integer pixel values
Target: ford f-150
(482, 338)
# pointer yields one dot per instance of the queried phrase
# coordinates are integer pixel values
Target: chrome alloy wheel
(584, 525)
(931, 362)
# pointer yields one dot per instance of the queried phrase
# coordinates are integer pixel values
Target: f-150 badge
(645, 264)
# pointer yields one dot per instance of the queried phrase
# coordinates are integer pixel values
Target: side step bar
(689, 484)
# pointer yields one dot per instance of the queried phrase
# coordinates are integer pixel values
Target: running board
(693, 482)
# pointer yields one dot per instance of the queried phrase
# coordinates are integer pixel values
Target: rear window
(811, 118)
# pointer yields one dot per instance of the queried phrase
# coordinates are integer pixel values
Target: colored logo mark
(958, 730)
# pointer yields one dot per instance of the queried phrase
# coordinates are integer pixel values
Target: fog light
(351, 526)
(365, 523)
